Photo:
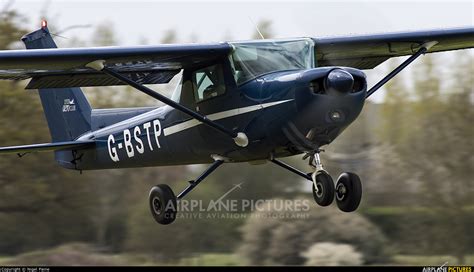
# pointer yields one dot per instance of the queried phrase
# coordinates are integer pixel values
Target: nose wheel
(323, 185)
(348, 192)
(323, 188)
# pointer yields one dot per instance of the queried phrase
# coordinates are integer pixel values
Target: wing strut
(239, 138)
(424, 47)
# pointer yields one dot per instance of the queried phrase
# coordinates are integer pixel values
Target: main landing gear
(163, 202)
(347, 191)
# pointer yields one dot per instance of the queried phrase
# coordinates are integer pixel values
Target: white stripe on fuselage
(219, 115)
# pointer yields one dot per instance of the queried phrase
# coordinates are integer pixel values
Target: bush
(280, 240)
(69, 254)
(332, 254)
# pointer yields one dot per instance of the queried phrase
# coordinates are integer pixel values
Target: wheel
(325, 194)
(163, 204)
(348, 192)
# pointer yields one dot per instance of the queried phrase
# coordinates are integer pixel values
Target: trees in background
(429, 165)
(332, 254)
(270, 240)
(263, 28)
(441, 152)
(10, 27)
(32, 197)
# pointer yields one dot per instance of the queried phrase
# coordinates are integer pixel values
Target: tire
(348, 192)
(325, 195)
(163, 204)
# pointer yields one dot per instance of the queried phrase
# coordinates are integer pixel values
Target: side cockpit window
(208, 82)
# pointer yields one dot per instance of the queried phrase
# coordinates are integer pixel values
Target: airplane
(247, 101)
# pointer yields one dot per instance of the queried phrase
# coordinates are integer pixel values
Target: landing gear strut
(347, 191)
(163, 202)
(323, 186)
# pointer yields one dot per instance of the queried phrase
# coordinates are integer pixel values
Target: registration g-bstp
(132, 142)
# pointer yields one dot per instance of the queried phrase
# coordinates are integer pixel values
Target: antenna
(256, 27)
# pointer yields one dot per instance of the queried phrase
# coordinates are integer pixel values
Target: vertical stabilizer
(67, 110)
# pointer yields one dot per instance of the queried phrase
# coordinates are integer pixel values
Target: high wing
(54, 68)
(46, 147)
(368, 51)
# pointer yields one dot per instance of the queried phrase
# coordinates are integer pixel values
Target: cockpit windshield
(253, 59)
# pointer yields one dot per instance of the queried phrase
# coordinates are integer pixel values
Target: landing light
(44, 23)
(335, 116)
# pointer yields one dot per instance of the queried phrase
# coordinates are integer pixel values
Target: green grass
(4, 260)
(396, 210)
(211, 259)
(69, 254)
(83, 254)
(423, 260)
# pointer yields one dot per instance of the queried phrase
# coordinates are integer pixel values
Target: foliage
(82, 254)
(263, 28)
(212, 260)
(270, 241)
(436, 148)
(170, 36)
(429, 260)
(104, 35)
(10, 29)
(420, 226)
(31, 187)
(421, 156)
(187, 236)
(332, 254)
(70, 254)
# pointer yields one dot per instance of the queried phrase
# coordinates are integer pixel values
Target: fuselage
(283, 112)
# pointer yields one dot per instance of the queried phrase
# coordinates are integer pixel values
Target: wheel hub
(319, 191)
(156, 205)
(341, 191)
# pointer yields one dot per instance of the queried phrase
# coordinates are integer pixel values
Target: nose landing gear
(323, 185)
(323, 188)
(347, 191)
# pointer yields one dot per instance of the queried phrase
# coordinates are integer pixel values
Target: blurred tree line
(414, 153)
(42, 205)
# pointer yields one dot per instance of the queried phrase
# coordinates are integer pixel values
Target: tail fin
(67, 110)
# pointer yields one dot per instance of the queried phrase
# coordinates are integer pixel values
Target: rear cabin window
(208, 83)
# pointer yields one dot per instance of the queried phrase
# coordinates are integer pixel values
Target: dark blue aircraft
(237, 102)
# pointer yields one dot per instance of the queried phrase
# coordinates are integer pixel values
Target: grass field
(431, 260)
(82, 254)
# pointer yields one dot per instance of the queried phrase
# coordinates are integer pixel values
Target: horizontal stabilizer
(21, 149)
